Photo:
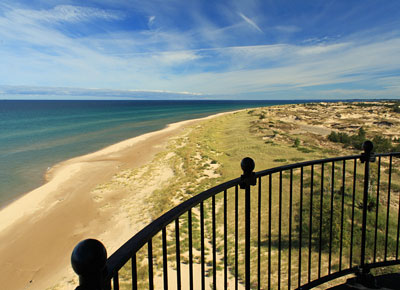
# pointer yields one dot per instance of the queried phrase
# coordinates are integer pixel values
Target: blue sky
(282, 49)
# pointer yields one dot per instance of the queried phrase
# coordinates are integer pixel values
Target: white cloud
(361, 93)
(336, 65)
(65, 92)
(175, 57)
(320, 49)
(151, 21)
(251, 22)
(67, 13)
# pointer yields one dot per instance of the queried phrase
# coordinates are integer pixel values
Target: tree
(358, 140)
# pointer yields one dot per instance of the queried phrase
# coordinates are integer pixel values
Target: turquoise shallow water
(35, 135)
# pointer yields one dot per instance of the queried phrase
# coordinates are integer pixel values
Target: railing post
(88, 260)
(366, 157)
(247, 180)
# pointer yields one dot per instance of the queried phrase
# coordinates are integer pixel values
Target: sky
(190, 49)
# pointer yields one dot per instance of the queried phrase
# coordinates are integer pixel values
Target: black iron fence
(305, 224)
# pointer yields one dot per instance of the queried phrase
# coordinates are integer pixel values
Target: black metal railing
(306, 224)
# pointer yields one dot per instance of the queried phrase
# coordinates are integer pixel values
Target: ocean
(35, 135)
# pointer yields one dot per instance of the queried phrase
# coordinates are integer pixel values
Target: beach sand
(39, 231)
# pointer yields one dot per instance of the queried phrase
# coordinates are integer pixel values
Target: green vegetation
(393, 105)
(381, 144)
(349, 140)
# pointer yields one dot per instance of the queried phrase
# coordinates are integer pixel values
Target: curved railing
(306, 224)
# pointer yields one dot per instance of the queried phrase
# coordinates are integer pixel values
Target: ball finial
(89, 256)
(368, 146)
(247, 165)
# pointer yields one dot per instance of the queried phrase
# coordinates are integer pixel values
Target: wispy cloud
(67, 13)
(151, 21)
(26, 92)
(249, 21)
(321, 49)
(207, 56)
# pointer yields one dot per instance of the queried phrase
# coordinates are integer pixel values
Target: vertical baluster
(134, 272)
(190, 249)
(342, 217)
(203, 282)
(280, 231)
(367, 157)
(236, 236)
(290, 229)
(398, 230)
(321, 205)
(165, 258)
(259, 237)
(214, 245)
(150, 264)
(116, 282)
(178, 255)
(331, 217)
(388, 207)
(225, 242)
(269, 230)
(377, 207)
(310, 224)
(300, 224)
(352, 212)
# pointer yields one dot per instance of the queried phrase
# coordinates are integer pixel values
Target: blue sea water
(35, 135)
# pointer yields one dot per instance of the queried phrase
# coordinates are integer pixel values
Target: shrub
(305, 150)
(339, 138)
(396, 148)
(333, 137)
(381, 144)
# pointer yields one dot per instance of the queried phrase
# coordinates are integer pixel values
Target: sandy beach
(39, 230)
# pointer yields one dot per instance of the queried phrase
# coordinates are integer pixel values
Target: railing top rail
(125, 252)
(304, 163)
(397, 154)
(319, 161)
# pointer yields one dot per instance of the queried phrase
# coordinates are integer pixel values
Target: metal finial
(368, 146)
(248, 177)
(88, 257)
(247, 165)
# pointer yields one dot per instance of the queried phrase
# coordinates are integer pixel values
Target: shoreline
(53, 171)
(54, 217)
